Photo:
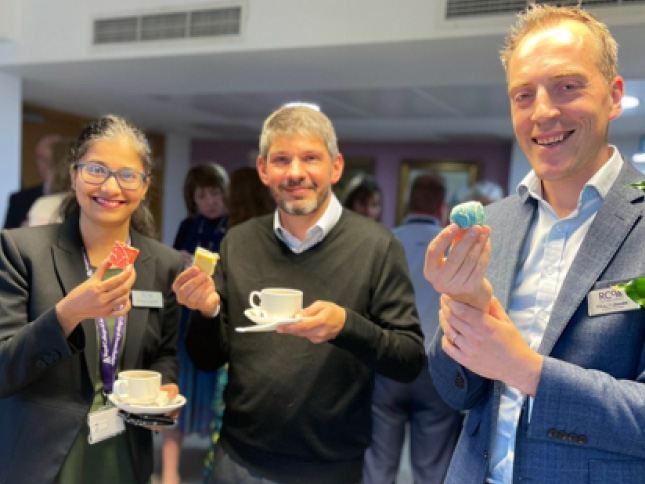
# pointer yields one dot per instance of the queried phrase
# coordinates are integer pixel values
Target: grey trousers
(227, 471)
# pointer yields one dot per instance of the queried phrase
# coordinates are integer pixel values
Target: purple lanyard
(109, 350)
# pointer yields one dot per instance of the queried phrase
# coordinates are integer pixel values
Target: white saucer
(178, 402)
(263, 323)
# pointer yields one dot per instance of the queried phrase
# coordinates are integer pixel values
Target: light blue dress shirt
(547, 254)
(316, 233)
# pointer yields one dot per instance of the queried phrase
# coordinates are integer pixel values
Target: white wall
(10, 138)
(9, 20)
(176, 167)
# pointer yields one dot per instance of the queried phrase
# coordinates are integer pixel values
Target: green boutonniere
(635, 288)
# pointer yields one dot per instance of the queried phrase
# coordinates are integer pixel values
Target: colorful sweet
(122, 254)
(205, 260)
(468, 214)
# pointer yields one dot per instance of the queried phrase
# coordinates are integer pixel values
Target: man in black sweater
(298, 398)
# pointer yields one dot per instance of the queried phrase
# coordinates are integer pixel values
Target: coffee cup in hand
(138, 387)
(276, 302)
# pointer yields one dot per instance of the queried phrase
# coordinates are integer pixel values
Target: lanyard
(109, 350)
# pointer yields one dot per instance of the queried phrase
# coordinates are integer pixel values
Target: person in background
(46, 209)
(205, 192)
(551, 369)
(68, 325)
(20, 202)
(364, 196)
(298, 398)
(248, 198)
(485, 192)
(434, 426)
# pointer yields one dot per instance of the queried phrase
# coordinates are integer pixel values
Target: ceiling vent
(202, 23)
(467, 8)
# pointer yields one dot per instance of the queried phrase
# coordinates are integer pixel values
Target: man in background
(21, 201)
(434, 426)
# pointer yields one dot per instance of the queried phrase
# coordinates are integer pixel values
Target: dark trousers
(434, 430)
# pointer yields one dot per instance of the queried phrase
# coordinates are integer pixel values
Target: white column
(176, 167)
(10, 138)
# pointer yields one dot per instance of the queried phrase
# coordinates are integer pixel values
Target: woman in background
(67, 324)
(364, 196)
(205, 191)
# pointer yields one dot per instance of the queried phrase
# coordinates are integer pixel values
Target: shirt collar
(420, 218)
(599, 184)
(316, 233)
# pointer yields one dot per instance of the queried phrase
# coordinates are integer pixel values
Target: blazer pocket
(618, 471)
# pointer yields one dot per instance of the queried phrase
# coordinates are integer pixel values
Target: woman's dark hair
(248, 197)
(110, 127)
(359, 190)
(206, 175)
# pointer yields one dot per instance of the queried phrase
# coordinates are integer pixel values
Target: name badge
(147, 299)
(103, 424)
(609, 300)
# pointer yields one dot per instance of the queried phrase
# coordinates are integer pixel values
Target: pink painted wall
(494, 158)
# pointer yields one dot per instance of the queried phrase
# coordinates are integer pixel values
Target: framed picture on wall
(353, 166)
(457, 174)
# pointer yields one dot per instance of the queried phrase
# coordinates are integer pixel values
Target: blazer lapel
(137, 322)
(614, 221)
(70, 267)
(503, 268)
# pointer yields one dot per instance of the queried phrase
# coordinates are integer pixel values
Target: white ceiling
(437, 89)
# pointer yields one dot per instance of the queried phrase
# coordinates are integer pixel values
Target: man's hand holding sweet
(196, 291)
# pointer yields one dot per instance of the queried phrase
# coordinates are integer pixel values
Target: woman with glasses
(70, 321)
(205, 195)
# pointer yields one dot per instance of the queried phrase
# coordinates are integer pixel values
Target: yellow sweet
(205, 260)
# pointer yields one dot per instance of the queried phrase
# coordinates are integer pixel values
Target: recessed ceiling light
(638, 158)
(630, 102)
(300, 103)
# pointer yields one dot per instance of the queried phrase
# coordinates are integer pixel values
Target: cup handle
(252, 297)
(120, 389)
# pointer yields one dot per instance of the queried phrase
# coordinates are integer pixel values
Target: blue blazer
(588, 418)
(47, 381)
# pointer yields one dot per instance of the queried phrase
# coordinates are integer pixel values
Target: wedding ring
(452, 339)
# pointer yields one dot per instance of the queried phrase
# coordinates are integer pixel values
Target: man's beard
(299, 207)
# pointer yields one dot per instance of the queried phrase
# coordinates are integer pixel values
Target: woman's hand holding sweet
(96, 298)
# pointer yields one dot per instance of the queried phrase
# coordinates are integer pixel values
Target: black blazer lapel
(71, 272)
(144, 266)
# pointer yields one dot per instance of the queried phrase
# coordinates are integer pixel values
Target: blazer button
(41, 364)
(582, 439)
(573, 438)
(54, 355)
(459, 381)
(562, 435)
(552, 434)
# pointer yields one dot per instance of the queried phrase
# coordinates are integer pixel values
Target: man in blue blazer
(551, 368)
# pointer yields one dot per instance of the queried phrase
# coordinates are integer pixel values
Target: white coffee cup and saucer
(139, 392)
(277, 306)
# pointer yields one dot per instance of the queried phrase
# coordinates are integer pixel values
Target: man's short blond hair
(541, 17)
(298, 120)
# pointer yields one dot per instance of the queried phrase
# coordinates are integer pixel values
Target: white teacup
(138, 387)
(277, 302)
